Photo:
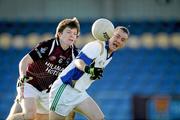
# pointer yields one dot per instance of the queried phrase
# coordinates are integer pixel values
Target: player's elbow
(26, 60)
(79, 64)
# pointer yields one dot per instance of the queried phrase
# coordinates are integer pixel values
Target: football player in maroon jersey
(39, 69)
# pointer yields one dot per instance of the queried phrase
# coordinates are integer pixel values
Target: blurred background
(143, 80)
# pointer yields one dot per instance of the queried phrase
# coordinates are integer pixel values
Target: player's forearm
(80, 64)
(26, 60)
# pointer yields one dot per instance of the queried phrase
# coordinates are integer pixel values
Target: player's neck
(110, 52)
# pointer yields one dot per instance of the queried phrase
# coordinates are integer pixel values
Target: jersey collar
(57, 42)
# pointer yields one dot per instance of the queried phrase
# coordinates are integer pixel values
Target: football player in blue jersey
(68, 92)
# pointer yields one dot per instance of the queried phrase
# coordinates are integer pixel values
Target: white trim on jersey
(57, 42)
(52, 47)
(73, 56)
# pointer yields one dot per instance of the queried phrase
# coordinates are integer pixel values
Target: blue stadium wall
(143, 68)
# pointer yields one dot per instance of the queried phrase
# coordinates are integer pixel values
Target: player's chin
(70, 42)
(114, 49)
(117, 48)
(121, 46)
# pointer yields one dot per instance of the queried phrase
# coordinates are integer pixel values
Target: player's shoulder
(94, 47)
(96, 43)
(48, 42)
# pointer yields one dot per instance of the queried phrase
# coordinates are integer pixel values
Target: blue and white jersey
(95, 52)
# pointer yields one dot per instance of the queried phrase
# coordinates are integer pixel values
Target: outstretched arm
(23, 65)
(96, 73)
(86, 57)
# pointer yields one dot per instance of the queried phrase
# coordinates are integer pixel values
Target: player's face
(118, 40)
(69, 35)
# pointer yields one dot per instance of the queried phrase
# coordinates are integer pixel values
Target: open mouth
(115, 45)
(71, 40)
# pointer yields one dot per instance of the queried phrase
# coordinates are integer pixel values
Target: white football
(102, 29)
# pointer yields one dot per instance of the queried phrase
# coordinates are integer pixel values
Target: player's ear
(59, 34)
(77, 36)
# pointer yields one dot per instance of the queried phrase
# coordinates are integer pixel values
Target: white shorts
(63, 98)
(42, 98)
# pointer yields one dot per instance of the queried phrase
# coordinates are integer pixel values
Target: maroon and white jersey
(49, 60)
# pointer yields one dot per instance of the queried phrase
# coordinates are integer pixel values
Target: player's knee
(30, 116)
(22, 116)
(42, 116)
(98, 117)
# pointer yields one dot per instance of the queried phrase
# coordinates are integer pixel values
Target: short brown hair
(124, 29)
(72, 23)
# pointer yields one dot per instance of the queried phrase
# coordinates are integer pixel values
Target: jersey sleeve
(40, 51)
(89, 52)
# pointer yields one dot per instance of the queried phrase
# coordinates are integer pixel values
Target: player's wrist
(24, 78)
(87, 69)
